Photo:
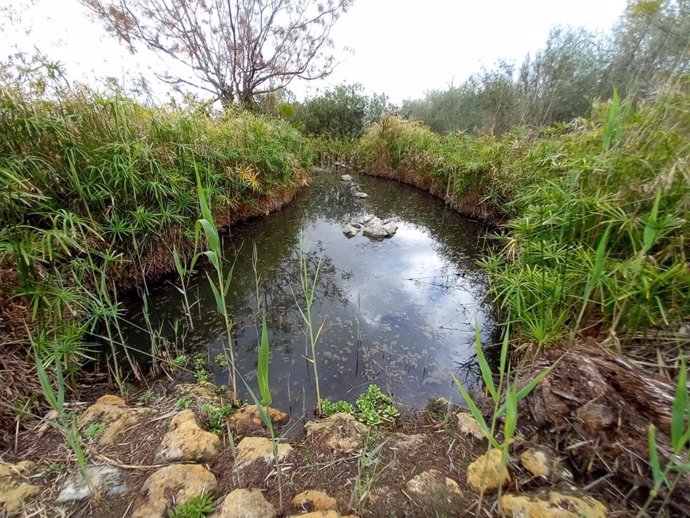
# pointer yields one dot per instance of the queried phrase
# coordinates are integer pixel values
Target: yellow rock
(14, 491)
(314, 501)
(248, 417)
(251, 449)
(433, 489)
(552, 505)
(318, 514)
(537, 462)
(187, 441)
(245, 503)
(469, 426)
(340, 432)
(114, 413)
(487, 472)
(175, 484)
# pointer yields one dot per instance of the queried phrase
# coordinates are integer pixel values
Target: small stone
(488, 472)
(407, 442)
(173, 485)
(186, 441)
(245, 503)
(435, 491)
(105, 479)
(551, 505)
(595, 417)
(249, 418)
(114, 413)
(538, 461)
(340, 432)
(361, 195)
(346, 178)
(251, 449)
(314, 501)
(318, 514)
(367, 218)
(468, 425)
(350, 231)
(14, 490)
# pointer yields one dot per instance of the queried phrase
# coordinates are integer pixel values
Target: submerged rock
(488, 472)
(435, 491)
(312, 500)
(14, 490)
(173, 485)
(103, 478)
(350, 231)
(245, 503)
(339, 432)
(377, 229)
(252, 449)
(115, 414)
(346, 178)
(551, 505)
(187, 441)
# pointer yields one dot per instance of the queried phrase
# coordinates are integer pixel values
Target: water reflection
(398, 312)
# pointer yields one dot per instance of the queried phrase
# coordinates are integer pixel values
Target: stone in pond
(350, 231)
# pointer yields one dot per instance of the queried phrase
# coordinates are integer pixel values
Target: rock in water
(361, 195)
(346, 178)
(390, 228)
(350, 231)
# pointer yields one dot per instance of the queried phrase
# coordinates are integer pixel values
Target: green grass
(595, 212)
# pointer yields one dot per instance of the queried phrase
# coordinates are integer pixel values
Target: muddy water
(399, 312)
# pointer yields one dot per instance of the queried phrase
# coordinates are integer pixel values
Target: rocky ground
(145, 460)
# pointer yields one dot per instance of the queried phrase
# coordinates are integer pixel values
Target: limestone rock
(177, 484)
(314, 501)
(538, 461)
(14, 490)
(341, 432)
(251, 449)
(407, 442)
(248, 418)
(318, 514)
(201, 393)
(487, 472)
(390, 228)
(187, 441)
(551, 505)
(468, 425)
(346, 178)
(350, 231)
(435, 491)
(367, 218)
(105, 479)
(245, 503)
(115, 414)
(361, 195)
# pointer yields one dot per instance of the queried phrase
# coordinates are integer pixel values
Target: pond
(399, 312)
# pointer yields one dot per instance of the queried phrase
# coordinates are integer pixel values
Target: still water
(399, 312)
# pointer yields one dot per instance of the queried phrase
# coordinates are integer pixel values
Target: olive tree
(235, 49)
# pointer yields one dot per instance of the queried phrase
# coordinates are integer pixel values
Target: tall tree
(236, 49)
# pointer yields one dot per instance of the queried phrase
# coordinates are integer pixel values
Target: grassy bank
(96, 194)
(595, 213)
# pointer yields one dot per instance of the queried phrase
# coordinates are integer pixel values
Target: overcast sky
(400, 47)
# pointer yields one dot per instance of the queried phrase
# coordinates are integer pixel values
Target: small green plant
(222, 361)
(368, 471)
(179, 362)
(667, 477)
(198, 507)
(146, 397)
(54, 469)
(214, 417)
(183, 403)
(200, 372)
(94, 430)
(374, 407)
(329, 408)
